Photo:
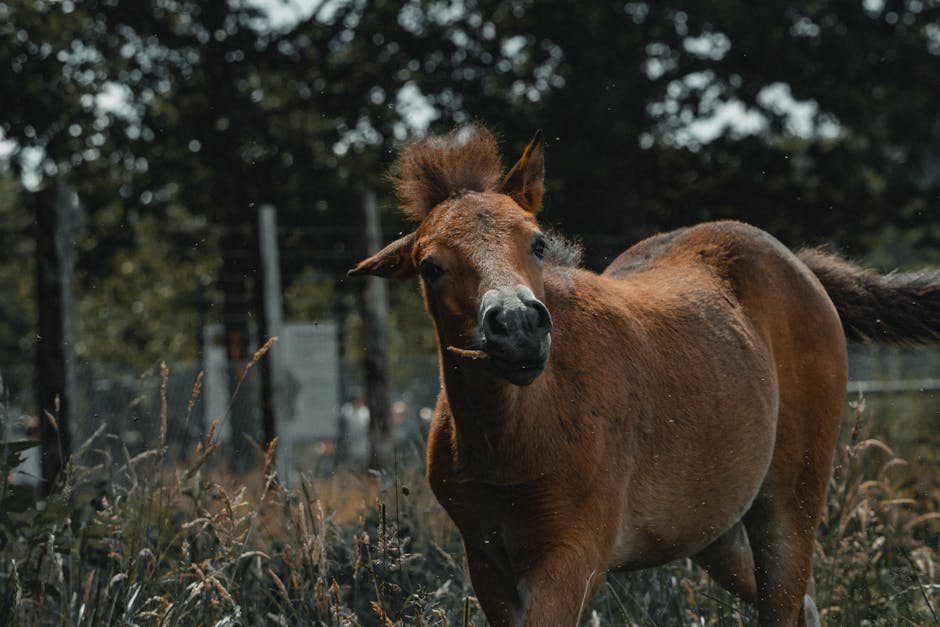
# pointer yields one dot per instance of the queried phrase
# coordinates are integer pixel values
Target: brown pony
(685, 402)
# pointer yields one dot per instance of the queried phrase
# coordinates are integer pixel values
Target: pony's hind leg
(729, 561)
(811, 612)
(781, 526)
(782, 544)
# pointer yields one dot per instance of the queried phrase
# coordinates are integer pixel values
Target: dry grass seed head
(257, 357)
(164, 377)
(920, 520)
(220, 589)
(197, 389)
(279, 585)
(211, 432)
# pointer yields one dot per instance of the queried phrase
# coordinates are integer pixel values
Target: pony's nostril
(492, 325)
(532, 318)
(543, 320)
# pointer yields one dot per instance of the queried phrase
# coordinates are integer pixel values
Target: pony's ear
(392, 262)
(524, 183)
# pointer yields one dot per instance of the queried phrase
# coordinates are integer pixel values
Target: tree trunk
(54, 360)
(374, 310)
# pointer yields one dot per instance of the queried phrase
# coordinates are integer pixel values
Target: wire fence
(903, 382)
(130, 404)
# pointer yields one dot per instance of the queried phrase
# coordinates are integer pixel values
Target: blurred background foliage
(174, 120)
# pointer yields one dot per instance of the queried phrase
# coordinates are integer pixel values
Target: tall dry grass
(144, 540)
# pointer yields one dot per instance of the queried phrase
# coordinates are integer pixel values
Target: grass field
(144, 540)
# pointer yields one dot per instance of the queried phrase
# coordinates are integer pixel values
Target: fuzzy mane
(562, 252)
(433, 169)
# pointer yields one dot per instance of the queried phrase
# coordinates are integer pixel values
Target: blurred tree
(18, 310)
(52, 76)
(50, 80)
(175, 119)
(818, 121)
(191, 69)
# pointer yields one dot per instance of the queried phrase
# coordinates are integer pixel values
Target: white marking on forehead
(457, 210)
(490, 261)
(487, 248)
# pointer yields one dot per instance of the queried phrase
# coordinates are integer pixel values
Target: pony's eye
(430, 271)
(538, 246)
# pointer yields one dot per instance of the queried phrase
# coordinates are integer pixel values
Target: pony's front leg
(494, 587)
(556, 590)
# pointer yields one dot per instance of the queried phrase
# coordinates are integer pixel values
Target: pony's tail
(897, 308)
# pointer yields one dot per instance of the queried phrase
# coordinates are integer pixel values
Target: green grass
(145, 540)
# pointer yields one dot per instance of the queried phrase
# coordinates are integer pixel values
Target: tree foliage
(175, 119)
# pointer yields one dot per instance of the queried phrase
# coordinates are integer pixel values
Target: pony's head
(477, 248)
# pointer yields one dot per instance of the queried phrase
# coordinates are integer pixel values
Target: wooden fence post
(55, 363)
(374, 310)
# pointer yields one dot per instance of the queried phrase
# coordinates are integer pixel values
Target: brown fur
(689, 407)
(431, 171)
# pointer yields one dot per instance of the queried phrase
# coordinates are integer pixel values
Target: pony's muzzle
(514, 330)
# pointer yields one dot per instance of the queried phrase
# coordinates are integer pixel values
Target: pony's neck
(478, 398)
(495, 419)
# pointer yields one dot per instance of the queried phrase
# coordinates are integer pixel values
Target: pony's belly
(644, 547)
(669, 530)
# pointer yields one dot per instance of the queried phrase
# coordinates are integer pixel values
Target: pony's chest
(505, 521)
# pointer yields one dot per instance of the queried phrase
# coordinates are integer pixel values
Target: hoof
(812, 614)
